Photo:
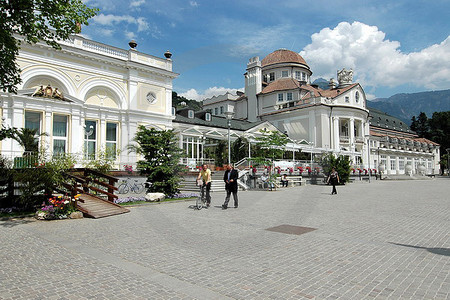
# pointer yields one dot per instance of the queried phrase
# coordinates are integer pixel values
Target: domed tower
(280, 64)
(285, 63)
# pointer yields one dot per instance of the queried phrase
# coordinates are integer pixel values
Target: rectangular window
(111, 140)
(289, 96)
(393, 163)
(221, 110)
(216, 111)
(347, 99)
(280, 97)
(298, 75)
(401, 163)
(59, 134)
(272, 76)
(33, 121)
(90, 139)
(284, 73)
(303, 76)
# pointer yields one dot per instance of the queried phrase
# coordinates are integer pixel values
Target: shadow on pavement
(439, 251)
(9, 223)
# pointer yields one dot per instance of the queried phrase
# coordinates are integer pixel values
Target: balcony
(344, 139)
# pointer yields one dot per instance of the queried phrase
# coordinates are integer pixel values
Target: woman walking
(334, 178)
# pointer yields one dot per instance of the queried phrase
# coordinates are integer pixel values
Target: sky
(392, 46)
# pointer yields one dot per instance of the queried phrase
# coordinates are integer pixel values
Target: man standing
(231, 186)
(205, 175)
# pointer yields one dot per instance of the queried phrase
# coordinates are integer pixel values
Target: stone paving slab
(379, 240)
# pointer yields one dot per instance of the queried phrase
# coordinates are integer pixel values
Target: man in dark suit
(231, 186)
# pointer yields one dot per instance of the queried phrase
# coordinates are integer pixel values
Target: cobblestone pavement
(379, 240)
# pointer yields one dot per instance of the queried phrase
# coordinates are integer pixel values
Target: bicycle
(125, 187)
(201, 199)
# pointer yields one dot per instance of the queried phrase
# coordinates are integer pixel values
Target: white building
(102, 95)
(278, 90)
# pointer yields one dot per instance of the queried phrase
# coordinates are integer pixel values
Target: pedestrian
(334, 178)
(205, 175)
(284, 180)
(230, 177)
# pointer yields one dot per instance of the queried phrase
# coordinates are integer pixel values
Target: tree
(340, 163)
(35, 20)
(220, 153)
(161, 159)
(28, 139)
(423, 128)
(272, 146)
(239, 149)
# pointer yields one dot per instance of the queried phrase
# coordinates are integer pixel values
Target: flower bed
(58, 207)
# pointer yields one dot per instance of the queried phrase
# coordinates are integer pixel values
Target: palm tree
(28, 139)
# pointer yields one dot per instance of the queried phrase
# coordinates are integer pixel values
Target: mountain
(322, 83)
(405, 106)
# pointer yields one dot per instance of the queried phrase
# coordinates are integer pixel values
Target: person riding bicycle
(205, 175)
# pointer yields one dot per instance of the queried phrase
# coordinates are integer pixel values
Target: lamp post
(229, 115)
(448, 161)
(87, 134)
(311, 144)
(368, 154)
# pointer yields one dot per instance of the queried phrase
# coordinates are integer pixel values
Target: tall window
(111, 140)
(90, 139)
(298, 75)
(59, 134)
(221, 110)
(33, 120)
(280, 97)
(344, 128)
(284, 73)
(272, 76)
(393, 163)
(357, 96)
(383, 160)
(303, 76)
(216, 111)
(401, 163)
(289, 96)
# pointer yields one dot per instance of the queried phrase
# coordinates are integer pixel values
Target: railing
(91, 182)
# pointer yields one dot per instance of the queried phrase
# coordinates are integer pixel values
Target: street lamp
(311, 144)
(368, 154)
(448, 161)
(229, 115)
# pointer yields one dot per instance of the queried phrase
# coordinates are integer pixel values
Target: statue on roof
(39, 91)
(345, 76)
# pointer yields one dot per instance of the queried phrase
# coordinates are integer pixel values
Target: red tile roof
(282, 56)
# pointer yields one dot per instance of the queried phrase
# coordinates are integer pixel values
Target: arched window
(357, 97)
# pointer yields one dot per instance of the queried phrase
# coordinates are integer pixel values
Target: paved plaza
(379, 240)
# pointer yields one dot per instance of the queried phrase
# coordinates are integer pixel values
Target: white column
(336, 133)
(351, 134)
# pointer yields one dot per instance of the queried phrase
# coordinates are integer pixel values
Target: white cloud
(208, 93)
(141, 23)
(136, 3)
(193, 3)
(375, 60)
(130, 35)
(247, 39)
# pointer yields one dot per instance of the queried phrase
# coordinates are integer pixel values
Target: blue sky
(392, 46)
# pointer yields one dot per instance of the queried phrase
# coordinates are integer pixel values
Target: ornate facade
(88, 97)
(278, 90)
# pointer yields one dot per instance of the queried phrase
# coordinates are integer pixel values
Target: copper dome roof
(283, 56)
